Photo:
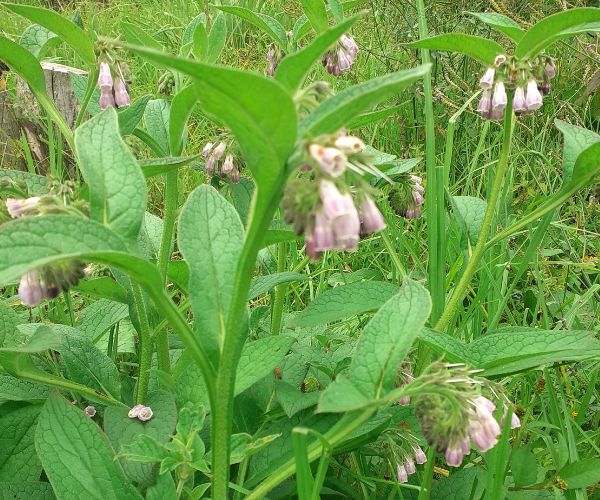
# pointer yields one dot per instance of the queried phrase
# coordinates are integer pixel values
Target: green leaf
(517, 349)
(337, 9)
(576, 140)
(241, 197)
(259, 112)
(581, 474)
(453, 350)
(134, 34)
(76, 455)
(524, 466)
(316, 14)
(18, 460)
(8, 322)
(27, 490)
(262, 284)
(37, 39)
(103, 288)
(212, 259)
(35, 184)
(200, 42)
(269, 350)
(63, 27)
(163, 489)
(130, 117)
(157, 166)
(302, 25)
(342, 108)
(156, 122)
(373, 116)
(87, 365)
(99, 316)
(271, 26)
(477, 47)
(16, 389)
(216, 38)
(122, 430)
(292, 70)
(41, 340)
(470, 212)
(340, 396)
(555, 27)
(387, 338)
(182, 106)
(188, 33)
(344, 301)
(502, 23)
(293, 400)
(117, 185)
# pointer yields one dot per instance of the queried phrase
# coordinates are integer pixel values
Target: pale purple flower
(105, 81)
(339, 209)
(235, 175)
(371, 217)
(487, 80)
(409, 465)
(514, 419)
(483, 428)
(349, 44)
(456, 451)
(413, 213)
(418, 198)
(227, 167)
(485, 104)
(420, 456)
(519, 105)
(206, 151)
(342, 57)
(209, 167)
(550, 69)
(533, 98)
(349, 144)
(31, 289)
(404, 401)
(496, 113)
(499, 97)
(401, 474)
(17, 206)
(122, 98)
(135, 411)
(218, 151)
(331, 160)
(145, 414)
(107, 99)
(322, 237)
(90, 411)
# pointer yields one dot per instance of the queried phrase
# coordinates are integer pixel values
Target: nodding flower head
(550, 69)
(349, 144)
(499, 97)
(105, 80)
(533, 97)
(107, 99)
(486, 82)
(218, 151)
(206, 151)
(407, 196)
(122, 98)
(274, 57)
(19, 207)
(31, 289)
(227, 167)
(342, 56)
(519, 105)
(420, 456)
(401, 474)
(48, 281)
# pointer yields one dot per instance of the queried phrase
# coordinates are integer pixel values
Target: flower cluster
(226, 169)
(332, 215)
(141, 412)
(274, 57)
(48, 281)
(112, 92)
(530, 80)
(342, 56)
(407, 196)
(453, 413)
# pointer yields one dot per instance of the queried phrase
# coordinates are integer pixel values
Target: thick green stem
(435, 183)
(145, 345)
(280, 291)
(501, 169)
(164, 256)
(234, 339)
(92, 78)
(425, 492)
(393, 254)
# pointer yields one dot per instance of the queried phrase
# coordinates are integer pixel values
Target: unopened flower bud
(227, 167)
(487, 80)
(145, 414)
(519, 105)
(105, 81)
(218, 151)
(533, 97)
(485, 104)
(17, 207)
(401, 474)
(206, 151)
(31, 289)
(90, 411)
(135, 411)
(122, 98)
(409, 465)
(420, 456)
(331, 160)
(550, 69)
(371, 217)
(235, 175)
(349, 144)
(209, 167)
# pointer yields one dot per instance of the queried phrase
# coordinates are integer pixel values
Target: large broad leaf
(262, 284)
(116, 182)
(302, 25)
(31, 489)
(576, 140)
(257, 110)
(381, 348)
(502, 23)
(581, 474)
(270, 351)
(266, 23)
(211, 237)
(8, 322)
(18, 460)
(477, 47)
(37, 40)
(34, 184)
(470, 211)
(216, 38)
(77, 456)
(156, 122)
(344, 301)
(63, 27)
(315, 11)
(561, 25)
(99, 316)
(340, 109)
(134, 34)
(292, 70)
(122, 430)
(16, 389)
(182, 106)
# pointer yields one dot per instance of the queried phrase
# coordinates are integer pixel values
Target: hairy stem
(501, 168)
(280, 291)
(145, 345)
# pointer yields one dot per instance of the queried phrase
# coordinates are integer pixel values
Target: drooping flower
(485, 104)
(31, 289)
(533, 97)
(371, 217)
(107, 99)
(420, 456)
(342, 214)
(48, 281)
(499, 98)
(218, 151)
(499, 60)
(105, 80)
(486, 82)
(122, 98)
(274, 57)
(227, 167)
(519, 105)
(406, 196)
(206, 151)
(342, 56)
(483, 427)
(331, 160)
(349, 144)
(456, 451)
(18, 207)
(401, 474)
